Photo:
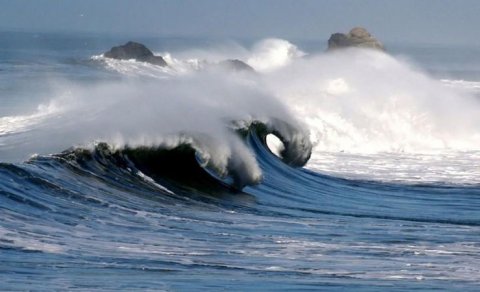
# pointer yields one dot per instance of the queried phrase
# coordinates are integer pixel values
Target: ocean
(343, 170)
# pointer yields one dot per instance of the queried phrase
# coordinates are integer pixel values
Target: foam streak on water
(445, 167)
(161, 179)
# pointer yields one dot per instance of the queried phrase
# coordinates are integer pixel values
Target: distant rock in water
(357, 37)
(137, 51)
(235, 65)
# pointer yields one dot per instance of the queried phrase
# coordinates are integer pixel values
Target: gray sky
(436, 21)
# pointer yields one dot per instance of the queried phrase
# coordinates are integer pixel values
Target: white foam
(362, 101)
(462, 84)
(153, 182)
(271, 54)
(450, 167)
(369, 115)
(28, 241)
(197, 110)
(17, 124)
(275, 144)
(372, 116)
(136, 68)
(265, 56)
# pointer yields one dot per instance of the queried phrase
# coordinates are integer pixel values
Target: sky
(429, 21)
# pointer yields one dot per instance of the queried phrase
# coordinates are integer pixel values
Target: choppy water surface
(185, 194)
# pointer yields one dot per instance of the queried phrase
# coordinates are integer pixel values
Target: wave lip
(297, 147)
(196, 160)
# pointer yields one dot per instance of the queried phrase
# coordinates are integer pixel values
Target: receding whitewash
(445, 167)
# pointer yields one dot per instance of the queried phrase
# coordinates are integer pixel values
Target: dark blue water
(90, 221)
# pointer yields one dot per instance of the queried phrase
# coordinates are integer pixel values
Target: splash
(271, 54)
(363, 101)
(203, 111)
(373, 116)
(351, 103)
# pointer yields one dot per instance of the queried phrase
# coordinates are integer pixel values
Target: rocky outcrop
(235, 65)
(357, 37)
(137, 51)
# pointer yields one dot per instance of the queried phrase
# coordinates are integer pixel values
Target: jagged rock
(236, 65)
(357, 37)
(137, 51)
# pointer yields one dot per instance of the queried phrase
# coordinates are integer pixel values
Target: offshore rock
(235, 65)
(357, 37)
(137, 51)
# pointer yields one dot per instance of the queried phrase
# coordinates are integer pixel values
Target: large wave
(204, 111)
(348, 103)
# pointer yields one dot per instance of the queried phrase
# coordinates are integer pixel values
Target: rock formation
(357, 37)
(137, 51)
(140, 52)
(235, 65)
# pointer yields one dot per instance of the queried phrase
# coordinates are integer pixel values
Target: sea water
(117, 175)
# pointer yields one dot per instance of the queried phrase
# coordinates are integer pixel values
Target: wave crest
(196, 160)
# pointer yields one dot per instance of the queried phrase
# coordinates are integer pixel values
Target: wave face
(109, 225)
(122, 175)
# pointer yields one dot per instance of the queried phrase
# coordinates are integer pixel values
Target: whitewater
(347, 169)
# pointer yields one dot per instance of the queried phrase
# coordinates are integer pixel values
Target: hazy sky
(435, 21)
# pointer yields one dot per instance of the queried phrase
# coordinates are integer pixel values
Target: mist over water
(365, 103)
(374, 116)
(185, 193)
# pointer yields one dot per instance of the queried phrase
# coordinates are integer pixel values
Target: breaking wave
(351, 169)
(343, 103)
